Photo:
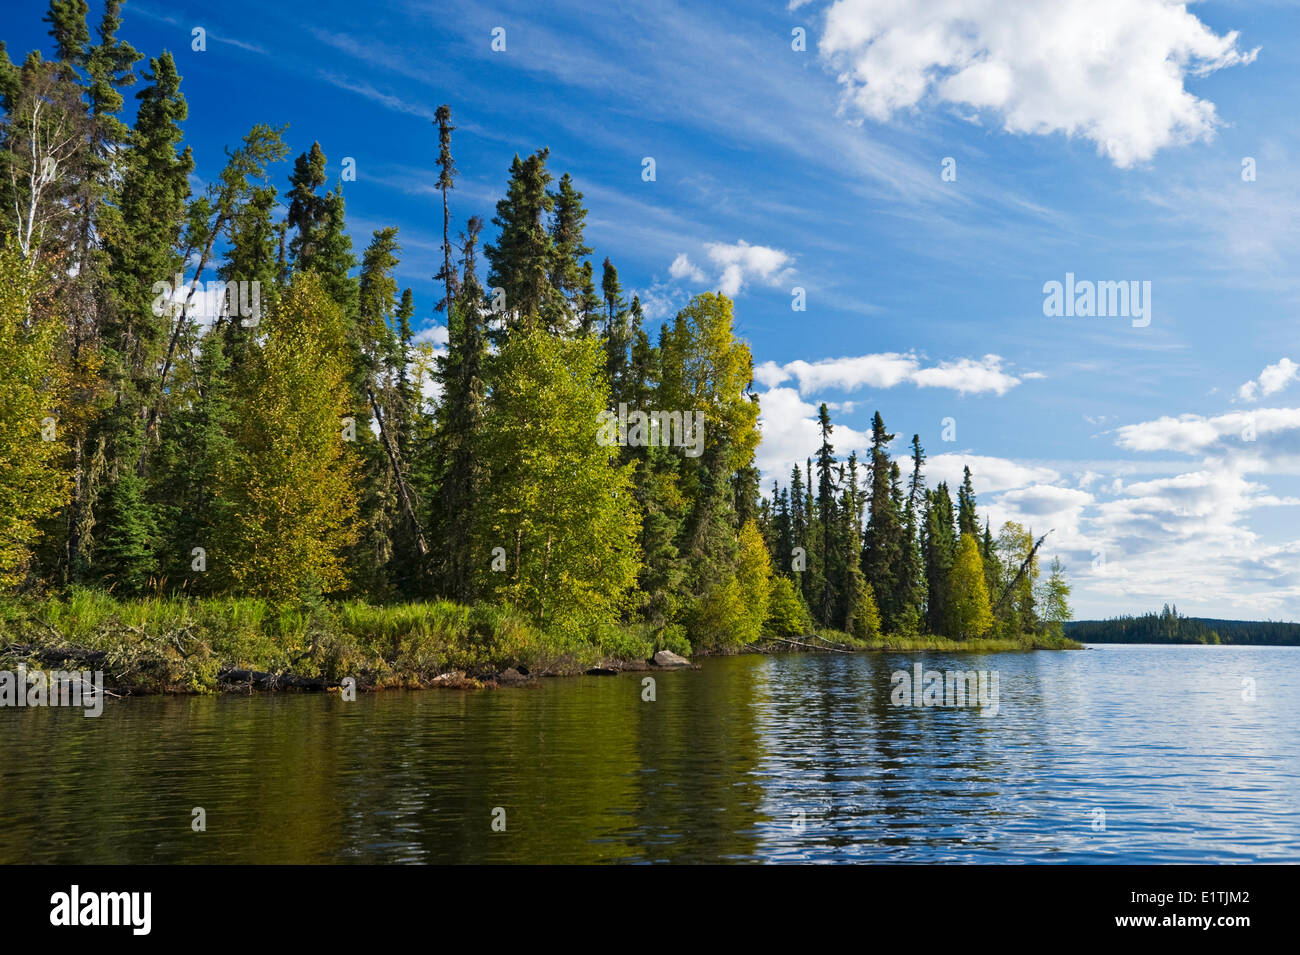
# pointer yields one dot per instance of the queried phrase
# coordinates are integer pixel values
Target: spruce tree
(521, 261)
(568, 275)
(882, 543)
(196, 447)
(234, 189)
(616, 334)
(306, 213)
(938, 551)
(455, 468)
(798, 532)
(911, 567)
(141, 250)
(832, 570)
(67, 20)
(446, 182)
(967, 519)
(386, 501)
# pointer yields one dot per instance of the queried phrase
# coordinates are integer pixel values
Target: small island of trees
(294, 481)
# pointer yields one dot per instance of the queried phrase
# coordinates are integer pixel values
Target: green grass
(918, 642)
(180, 644)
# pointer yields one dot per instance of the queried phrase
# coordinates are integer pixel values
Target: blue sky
(1103, 138)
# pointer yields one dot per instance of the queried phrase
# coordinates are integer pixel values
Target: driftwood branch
(810, 646)
(273, 681)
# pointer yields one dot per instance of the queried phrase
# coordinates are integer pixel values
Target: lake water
(797, 757)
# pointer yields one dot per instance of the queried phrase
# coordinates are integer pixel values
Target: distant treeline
(1169, 626)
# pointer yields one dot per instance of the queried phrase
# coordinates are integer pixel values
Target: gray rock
(666, 658)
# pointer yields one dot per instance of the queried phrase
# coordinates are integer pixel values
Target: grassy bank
(187, 645)
(180, 645)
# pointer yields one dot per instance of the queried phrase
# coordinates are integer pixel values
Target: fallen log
(260, 680)
(55, 654)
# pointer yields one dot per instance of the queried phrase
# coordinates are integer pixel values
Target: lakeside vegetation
(1169, 626)
(277, 473)
(178, 644)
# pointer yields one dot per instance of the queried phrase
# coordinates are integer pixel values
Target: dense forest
(1169, 626)
(214, 396)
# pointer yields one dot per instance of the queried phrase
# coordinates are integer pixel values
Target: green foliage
(969, 597)
(754, 575)
(291, 483)
(864, 620)
(787, 614)
(175, 435)
(673, 639)
(523, 258)
(1054, 601)
(33, 480)
(561, 511)
(1170, 626)
(182, 644)
(883, 544)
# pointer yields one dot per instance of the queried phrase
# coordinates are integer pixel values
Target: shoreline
(231, 678)
(195, 646)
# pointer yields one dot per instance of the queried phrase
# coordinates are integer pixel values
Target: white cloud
(684, 268)
(1042, 508)
(433, 335)
(863, 371)
(888, 369)
(1112, 71)
(1271, 380)
(1259, 434)
(770, 374)
(791, 434)
(967, 376)
(737, 266)
(988, 474)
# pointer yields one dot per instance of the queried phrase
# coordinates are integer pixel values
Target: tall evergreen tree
(568, 276)
(67, 20)
(235, 188)
(828, 518)
(456, 467)
(446, 182)
(387, 503)
(521, 260)
(938, 551)
(968, 521)
(911, 568)
(616, 334)
(883, 541)
(141, 250)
